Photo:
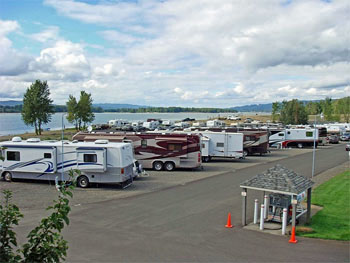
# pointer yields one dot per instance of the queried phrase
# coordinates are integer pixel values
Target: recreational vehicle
(99, 161)
(156, 150)
(294, 138)
(215, 123)
(151, 125)
(221, 144)
(118, 123)
(254, 141)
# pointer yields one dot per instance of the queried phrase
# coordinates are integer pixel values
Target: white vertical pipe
(284, 221)
(262, 217)
(256, 211)
(266, 206)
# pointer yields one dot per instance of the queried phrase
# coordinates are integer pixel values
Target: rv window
(203, 145)
(174, 147)
(143, 143)
(281, 134)
(220, 144)
(288, 132)
(90, 158)
(309, 134)
(47, 155)
(13, 156)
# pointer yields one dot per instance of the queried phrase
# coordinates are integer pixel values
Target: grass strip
(333, 221)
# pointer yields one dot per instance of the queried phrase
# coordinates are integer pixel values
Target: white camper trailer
(117, 123)
(221, 144)
(215, 123)
(294, 138)
(99, 162)
(151, 125)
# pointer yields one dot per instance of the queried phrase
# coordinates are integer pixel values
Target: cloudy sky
(201, 53)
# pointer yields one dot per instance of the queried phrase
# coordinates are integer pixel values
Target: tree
(85, 108)
(80, 112)
(37, 106)
(342, 107)
(9, 216)
(293, 112)
(327, 109)
(72, 110)
(275, 110)
(45, 242)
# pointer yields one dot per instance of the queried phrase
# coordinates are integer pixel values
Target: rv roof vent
(33, 140)
(101, 141)
(16, 139)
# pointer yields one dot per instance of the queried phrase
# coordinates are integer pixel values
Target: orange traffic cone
(228, 224)
(292, 238)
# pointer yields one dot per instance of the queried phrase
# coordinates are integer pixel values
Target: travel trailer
(99, 161)
(254, 141)
(156, 151)
(221, 144)
(215, 123)
(294, 138)
(118, 123)
(151, 125)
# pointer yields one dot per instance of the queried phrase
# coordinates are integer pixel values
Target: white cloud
(65, 59)
(12, 62)
(51, 33)
(215, 53)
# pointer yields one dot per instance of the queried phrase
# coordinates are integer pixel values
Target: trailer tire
(7, 176)
(245, 153)
(158, 166)
(206, 159)
(169, 166)
(83, 181)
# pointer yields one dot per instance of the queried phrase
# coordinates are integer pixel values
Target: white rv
(294, 138)
(118, 123)
(99, 162)
(151, 125)
(215, 123)
(221, 144)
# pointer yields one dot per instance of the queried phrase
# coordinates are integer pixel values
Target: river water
(11, 123)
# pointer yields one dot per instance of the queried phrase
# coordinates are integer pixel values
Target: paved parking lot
(38, 195)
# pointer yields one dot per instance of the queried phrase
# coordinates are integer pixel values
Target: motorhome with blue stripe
(99, 162)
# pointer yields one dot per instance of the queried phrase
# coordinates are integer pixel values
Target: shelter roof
(278, 179)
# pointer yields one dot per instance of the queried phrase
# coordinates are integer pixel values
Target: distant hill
(108, 106)
(255, 108)
(10, 102)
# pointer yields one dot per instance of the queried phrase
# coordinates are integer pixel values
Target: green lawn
(333, 221)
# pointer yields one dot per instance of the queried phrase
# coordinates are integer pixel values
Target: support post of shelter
(308, 213)
(244, 206)
(294, 207)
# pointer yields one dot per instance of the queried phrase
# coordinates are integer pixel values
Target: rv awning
(172, 139)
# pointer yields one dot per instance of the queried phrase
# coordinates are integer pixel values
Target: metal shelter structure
(279, 180)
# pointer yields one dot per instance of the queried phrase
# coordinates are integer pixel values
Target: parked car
(345, 137)
(333, 139)
(347, 147)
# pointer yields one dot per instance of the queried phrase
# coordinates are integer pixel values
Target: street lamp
(314, 149)
(62, 157)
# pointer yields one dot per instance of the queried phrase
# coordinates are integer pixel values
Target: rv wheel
(245, 153)
(7, 176)
(169, 166)
(83, 181)
(206, 159)
(300, 145)
(158, 166)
